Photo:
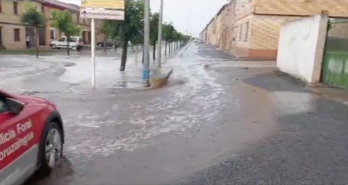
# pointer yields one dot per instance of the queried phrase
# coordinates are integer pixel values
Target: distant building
(253, 26)
(13, 33)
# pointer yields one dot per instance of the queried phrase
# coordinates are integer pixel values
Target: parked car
(109, 44)
(198, 40)
(75, 43)
(31, 137)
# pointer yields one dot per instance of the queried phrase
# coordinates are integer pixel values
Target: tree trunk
(104, 44)
(165, 48)
(67, 45)
(136, 54)
(37, 42)
(154, 51)
(124, 55)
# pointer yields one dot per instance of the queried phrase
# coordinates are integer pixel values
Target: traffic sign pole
(93, 51)
(146, 70)
(100, 9)
(159, 49)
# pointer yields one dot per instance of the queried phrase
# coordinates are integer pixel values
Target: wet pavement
(219, 122)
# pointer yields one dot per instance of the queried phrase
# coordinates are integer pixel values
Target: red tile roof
(60, 5)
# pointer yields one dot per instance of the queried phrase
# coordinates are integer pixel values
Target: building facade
(13, 32)
(227, 30)
(255, 24)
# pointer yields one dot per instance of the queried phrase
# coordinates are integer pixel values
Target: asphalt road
(219, 122)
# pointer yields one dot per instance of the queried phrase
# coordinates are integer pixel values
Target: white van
(75, 43)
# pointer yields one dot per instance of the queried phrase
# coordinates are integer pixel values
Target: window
(42, 9)
(74, 17)
(2, 103)
(78, 18)
(52, 33)
(62, 39)
(2, 106)
(246, 31)
(240, 32)
(15, 8)
(16, 33)
(72, 40)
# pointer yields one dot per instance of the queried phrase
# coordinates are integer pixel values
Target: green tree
(130, 27)
(168, 31)
(110, 30)
(112, 27)
(104, 29)
(36, 19)
(62, 20)
(154, 20)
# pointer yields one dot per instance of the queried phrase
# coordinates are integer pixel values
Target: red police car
(31, 137)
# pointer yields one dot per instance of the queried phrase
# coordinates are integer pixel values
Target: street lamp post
(159, 50)
(146, 70)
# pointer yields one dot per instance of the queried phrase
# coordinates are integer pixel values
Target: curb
(159, 82)
(185, 49)
(312, 87)
(316, 91)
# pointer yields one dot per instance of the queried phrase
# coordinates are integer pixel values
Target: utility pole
(159, 40)
(93, 51)
(146, 71)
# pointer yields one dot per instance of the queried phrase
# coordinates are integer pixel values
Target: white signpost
(102, 14)
(100, 9)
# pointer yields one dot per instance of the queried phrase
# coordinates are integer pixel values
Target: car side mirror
(14, 106)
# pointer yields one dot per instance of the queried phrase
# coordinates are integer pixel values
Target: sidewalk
(108, 75)
(336, 94)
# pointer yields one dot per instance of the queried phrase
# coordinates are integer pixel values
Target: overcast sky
(185, 14)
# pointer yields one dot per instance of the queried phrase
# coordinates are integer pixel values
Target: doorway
(89, 37)
(84, 39)
(30, 32)
(42, 37)
(0, 35)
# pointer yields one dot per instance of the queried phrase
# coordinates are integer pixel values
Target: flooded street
(219, 121)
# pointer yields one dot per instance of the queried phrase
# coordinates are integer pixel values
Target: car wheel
(54, 46)
(73, 47)
(51, 148)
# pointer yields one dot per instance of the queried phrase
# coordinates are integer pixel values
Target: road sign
(107, 4)
(102, 14)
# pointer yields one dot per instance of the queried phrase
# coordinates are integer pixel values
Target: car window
(2, 106)
(61, 40)
(72, 40)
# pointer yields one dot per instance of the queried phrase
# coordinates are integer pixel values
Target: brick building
(13, 32)
(255, 24)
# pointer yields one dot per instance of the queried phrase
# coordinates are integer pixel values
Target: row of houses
(13, 33)
(250, 28)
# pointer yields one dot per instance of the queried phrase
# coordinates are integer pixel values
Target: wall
(223, 29)
(211, 33)
(218, 30)
(227, 27)
(263, 35)
(301, 46)
(9, 21)
(301, 7)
